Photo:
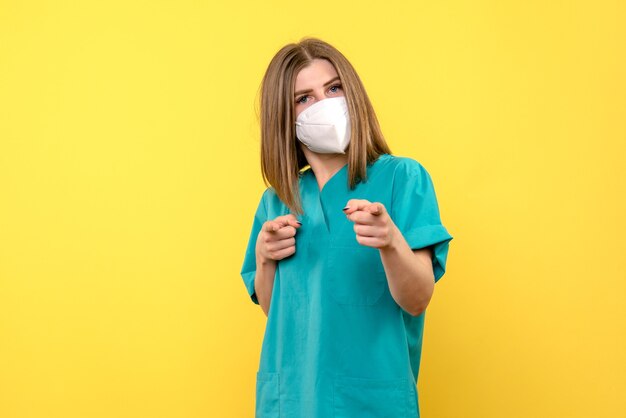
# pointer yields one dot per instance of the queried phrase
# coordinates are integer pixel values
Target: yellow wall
(129, 174)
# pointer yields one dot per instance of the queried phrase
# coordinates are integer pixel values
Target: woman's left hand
(372, 224)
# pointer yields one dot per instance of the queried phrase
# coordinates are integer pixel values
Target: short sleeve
(415, 212)
(248, 269)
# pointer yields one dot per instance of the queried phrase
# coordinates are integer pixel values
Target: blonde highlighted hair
(281, 156)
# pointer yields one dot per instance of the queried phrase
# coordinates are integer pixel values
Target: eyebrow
(310, 90)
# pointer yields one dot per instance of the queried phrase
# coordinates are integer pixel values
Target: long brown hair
(281, 156)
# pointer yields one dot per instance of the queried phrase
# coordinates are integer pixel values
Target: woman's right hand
(276, 240)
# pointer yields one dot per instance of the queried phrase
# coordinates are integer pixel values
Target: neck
(324, 166)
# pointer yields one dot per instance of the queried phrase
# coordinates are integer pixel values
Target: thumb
(375, 209)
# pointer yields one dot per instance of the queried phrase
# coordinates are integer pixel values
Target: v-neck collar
(330, 195)
(331, 178)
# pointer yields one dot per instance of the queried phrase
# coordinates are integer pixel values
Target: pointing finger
(289, 219)
(355, 204)
(281, 222)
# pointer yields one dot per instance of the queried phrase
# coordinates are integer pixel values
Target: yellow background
(129, 175)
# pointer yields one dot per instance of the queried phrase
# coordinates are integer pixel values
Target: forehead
(315, 74)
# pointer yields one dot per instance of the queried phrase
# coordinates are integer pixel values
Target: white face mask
(324, 126)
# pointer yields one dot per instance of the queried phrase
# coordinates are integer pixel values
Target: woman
(345, 249)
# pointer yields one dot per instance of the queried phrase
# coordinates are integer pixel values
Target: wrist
(262, 261)
(395, 239)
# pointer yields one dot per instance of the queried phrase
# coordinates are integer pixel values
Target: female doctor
(345, 248)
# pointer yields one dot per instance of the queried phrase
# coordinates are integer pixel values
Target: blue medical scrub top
(336, 343)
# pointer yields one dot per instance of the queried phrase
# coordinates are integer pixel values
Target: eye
(301, 99)
(335, 87)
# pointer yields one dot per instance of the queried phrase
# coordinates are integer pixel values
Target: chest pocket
(356, 275)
